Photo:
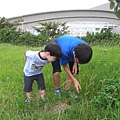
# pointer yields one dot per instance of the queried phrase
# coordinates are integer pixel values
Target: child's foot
(69, 92)
(27, 101)
(57, 92)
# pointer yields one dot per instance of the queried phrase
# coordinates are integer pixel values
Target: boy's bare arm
(76, 83)
(25, 58)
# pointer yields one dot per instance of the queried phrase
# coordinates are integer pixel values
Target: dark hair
(83, 52)
(54, 49)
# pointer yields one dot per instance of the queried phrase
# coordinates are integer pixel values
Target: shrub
(108, 95)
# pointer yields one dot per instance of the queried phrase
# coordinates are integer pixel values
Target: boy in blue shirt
(74, 51)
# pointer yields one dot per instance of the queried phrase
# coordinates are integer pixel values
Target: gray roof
(105, 7)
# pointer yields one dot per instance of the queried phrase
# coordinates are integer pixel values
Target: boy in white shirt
(35, 61)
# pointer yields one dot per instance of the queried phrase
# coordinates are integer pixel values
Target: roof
(105, 7)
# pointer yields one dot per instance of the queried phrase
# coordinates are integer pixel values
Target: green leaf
(118, 13)
(116, 9)
(112, 4)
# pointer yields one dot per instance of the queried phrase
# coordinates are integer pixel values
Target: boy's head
(54, 49)
(83, 53)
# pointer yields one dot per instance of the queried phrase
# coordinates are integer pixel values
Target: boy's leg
(68, 86)
(42, 94)
(56, 79)
(41, 85)
(28, 87)
(69, 82)
(28, 95)
(56, 76)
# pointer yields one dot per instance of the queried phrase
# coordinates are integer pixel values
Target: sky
(14, 8)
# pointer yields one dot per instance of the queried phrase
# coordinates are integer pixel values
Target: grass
(98, 99)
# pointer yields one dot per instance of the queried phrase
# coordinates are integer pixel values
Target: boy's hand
(77, 86)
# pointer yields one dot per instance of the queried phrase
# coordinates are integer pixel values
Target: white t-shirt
(34, 63)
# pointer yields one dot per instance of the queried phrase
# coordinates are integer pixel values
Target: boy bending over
(35, 61)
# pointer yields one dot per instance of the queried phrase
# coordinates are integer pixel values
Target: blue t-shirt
(68, 44)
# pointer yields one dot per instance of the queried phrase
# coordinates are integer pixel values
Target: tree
(51, 30)
(4, 23)
(115, 4)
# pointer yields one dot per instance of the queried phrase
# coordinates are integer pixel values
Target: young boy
(74, 51)
(35, 61)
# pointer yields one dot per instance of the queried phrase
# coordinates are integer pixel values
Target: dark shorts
(28, 82)
(57, 68)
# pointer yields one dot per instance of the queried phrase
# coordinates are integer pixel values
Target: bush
(104, 37)
(48, 32)
(108, 95)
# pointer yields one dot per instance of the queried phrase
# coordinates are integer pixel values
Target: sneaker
(27, 101)
(57, 92)
(69, 92)
(43, 100)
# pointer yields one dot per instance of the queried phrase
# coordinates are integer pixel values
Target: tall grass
(98, 99)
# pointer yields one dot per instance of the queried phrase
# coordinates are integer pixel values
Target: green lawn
(99, 98)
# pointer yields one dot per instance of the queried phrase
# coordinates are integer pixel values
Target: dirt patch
(60, 107)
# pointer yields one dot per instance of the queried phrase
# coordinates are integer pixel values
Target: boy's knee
(56, 74)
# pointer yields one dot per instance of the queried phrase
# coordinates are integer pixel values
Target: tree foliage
(48, 31)
(4, 23)
(115, 4)
(104, 37)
